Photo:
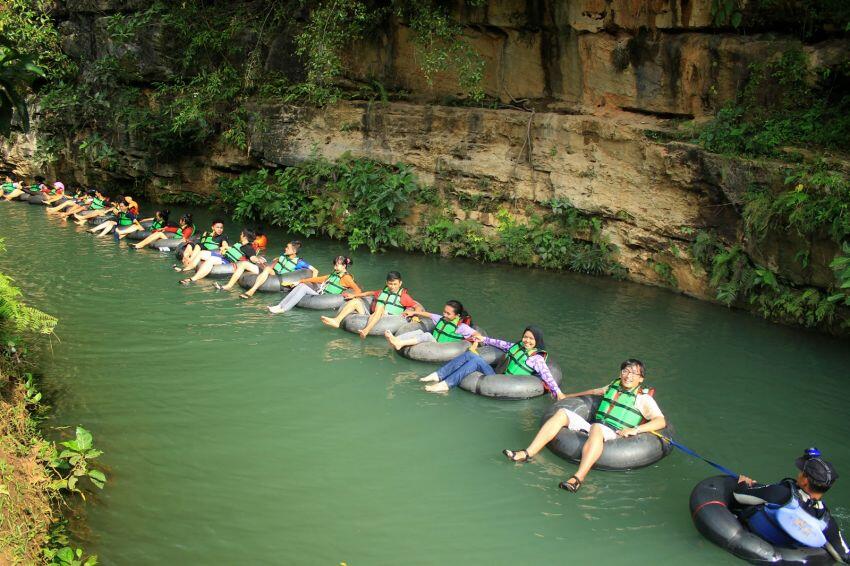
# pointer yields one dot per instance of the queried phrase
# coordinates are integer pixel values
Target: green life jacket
(332, 286)
(7, 187)
(617, 409)
(124, 219)
(446, 330)
(285, 265)
(518, 360)
(156, 225)
(391, 301)
(208, 241)
(234, 253)
(97, 203)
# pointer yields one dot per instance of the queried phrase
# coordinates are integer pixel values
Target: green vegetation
(365, 202)
(17, 71)
(204, 91)
(36, 476)
(741, 282)
(784, 103)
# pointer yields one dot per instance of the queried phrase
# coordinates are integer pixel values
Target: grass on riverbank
(26, 509)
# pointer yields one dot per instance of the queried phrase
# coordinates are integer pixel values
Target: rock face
(599, 74)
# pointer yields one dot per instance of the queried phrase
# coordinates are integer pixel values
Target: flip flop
(186, 281)
(571, 487)
(244, 296)
(512, 455)
(217, 286)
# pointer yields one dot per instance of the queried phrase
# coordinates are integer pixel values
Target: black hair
(295, 244)
(460, 311)
(217, 221)
(164, 214)
(817, 486)
(393, 276)
(187, 218)
(345, 260)
(636, 363)
(249, 234)
(538, 336)
(39, 179)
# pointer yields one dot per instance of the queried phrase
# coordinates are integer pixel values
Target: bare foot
(363, 333)
(274, 309)
(430, 377)
(439, 387)
(330, 321)
(391, 339)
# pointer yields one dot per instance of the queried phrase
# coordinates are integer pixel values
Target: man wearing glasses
(626, 410)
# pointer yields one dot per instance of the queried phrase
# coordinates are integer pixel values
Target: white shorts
(578, 424)
(212, 257)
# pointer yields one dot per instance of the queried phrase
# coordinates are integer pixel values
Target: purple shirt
(463, 329)
(535, 362)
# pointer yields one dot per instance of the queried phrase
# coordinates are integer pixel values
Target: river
(232, 436)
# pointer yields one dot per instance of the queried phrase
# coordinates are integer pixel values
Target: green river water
(232, 436)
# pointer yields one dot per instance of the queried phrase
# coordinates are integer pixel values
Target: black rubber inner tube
(619, 454)
(324, 302)
(272, 284)
(442, 352)
(710, 504)
(357, 322)
(503, 386)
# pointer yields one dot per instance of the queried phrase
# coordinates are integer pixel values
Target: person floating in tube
(791, 513)
(526, 357)
(393, 299)
(626, 409)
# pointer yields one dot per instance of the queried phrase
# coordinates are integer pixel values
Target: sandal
(571, 487)
(512, 455)
(244, 296)
(186, 281)
(217, 286)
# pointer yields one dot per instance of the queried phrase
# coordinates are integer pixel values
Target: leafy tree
(17, 71)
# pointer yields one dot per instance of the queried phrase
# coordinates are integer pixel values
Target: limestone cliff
(581, 82)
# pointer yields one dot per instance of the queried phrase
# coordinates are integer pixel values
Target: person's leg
(352, 306)
(14, 194)
(61, 206)
(411, 338)
(590, 453)
(149, 240)
(203, 270)
(103, 228)
(261, 278)
(122, 232)
(473, 363)
(291, 299)
(241, 267)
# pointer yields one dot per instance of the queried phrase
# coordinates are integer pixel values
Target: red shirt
(406, 300)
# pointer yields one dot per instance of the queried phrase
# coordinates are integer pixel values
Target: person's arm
(836, 541)
(320, 279)
(538, 364)
(409, 303)
(651, 413)
(597, 391)
(748, 492)
(652, 425)
(503, 345)
(348, 282)
(465, 330)
(361, 294)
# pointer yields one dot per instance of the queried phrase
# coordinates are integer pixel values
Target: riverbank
(28, 508)
(39, 478)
